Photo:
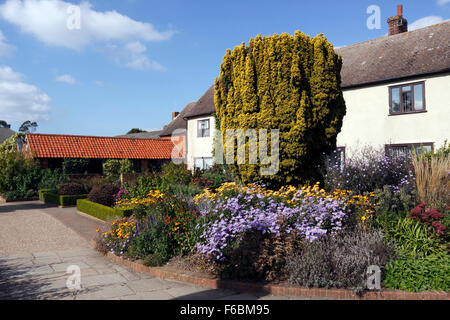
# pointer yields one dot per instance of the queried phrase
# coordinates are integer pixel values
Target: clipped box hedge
(51, 196)
(44, 191)
(100, 211)
(67, 201)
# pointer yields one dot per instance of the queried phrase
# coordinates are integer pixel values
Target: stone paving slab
(39, 243)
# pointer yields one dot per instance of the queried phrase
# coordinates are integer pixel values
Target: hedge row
(100, 211)
(50, 196)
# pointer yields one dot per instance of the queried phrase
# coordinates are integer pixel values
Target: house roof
(142, 135)
(413, 53)
(179, 122)
(204, 106)
(408, 54)
(5, 133)
(67, 146)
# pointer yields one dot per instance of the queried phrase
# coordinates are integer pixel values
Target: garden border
(212, 282)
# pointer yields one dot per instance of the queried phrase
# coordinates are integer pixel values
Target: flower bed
(304, 236)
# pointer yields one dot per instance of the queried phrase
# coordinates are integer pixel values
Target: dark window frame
(406, 145)
(400, 86)
(200, 133)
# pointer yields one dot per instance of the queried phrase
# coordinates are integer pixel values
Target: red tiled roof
(66, 146)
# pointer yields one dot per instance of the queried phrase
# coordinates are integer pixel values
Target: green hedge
(66, 201)
(43, 191)
(100, 211)
(51, 196)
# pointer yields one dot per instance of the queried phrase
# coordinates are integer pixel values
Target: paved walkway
(38, 243)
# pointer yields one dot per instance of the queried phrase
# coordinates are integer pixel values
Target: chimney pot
(174, 115)
(400, 10)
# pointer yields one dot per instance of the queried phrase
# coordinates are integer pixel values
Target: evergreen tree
(289, 83)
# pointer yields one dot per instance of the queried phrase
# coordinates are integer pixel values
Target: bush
(176, 174)
(113, 168)
(71, 189)
(413, 237)
(151, 239)
(20, 176)
(339, 261)
(99, 211)
(75, 166)
(51, 179)
(259, 257)
(42, 193)
(414, 274)
(369, 170)
(104, 194)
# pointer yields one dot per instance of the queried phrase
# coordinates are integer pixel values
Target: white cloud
(442, 2)
(21, 101)
(8, 74)
(47, 20)
(5, 48)
(425, 22)
(132, 55)
(66, 78)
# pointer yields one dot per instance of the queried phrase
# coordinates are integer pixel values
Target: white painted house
(396, 88)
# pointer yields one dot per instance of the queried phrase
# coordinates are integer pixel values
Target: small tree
(289, 83)
(113, 168)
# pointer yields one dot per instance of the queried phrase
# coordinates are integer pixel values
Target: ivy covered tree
(289, 83)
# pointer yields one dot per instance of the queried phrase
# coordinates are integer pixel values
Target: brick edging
(212, 282)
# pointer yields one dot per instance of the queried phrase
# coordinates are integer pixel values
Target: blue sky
(133, 62)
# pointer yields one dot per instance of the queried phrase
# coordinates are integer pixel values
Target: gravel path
(26, 231)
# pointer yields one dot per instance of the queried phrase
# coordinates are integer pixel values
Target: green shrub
(75, 166)
(176, 174)
(413, 238)
(113, 168)
(152, 241)
(99, 211)
(20, 176)
(51, 179)
(431, 273)
(104, 194)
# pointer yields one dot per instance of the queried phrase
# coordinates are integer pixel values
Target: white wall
(199, 147)
(368, 122)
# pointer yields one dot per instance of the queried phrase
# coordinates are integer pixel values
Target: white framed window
(203, 128)
(203, 163)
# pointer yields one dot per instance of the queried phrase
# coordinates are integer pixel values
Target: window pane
(199, 163)
(208, 162)
(396, 100)
(407, 99)
(418, 97)
(425, 149)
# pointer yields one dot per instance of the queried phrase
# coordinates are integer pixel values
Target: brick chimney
(174, 115)
(398, 24)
